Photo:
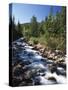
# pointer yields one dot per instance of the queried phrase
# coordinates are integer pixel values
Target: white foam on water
(60, 79)
(60, 68)
(28, 47)
(38, 56)
(44, 81)
(23, 44)
(37, 65)
(30, 50)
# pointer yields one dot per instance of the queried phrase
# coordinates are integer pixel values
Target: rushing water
(38, 64)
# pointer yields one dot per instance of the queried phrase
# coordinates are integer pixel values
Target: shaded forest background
(50, 32)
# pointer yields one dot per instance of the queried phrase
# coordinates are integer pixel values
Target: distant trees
(15, 31)
(12, 28)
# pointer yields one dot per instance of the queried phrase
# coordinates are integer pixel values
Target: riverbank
(56, 55)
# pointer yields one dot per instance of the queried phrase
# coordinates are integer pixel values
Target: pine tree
(34, 27)
(19, 30)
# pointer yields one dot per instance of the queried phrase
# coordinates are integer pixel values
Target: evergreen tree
(19, 30)
(34, 27)
(14, 31)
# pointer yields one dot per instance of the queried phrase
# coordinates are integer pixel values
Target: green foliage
(34, 27)
(34, 40)
(55, 30)
(14, 30)
(19, 29)
(51, 32)
(40, 28)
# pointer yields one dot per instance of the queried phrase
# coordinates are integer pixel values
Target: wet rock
(44, 60)
(61, 71)
(50, 62)
(63, 65)
(53, 68)
(37, 81)
(43, 74)
(52, 79)
(44, 55)
(58, 70)
(35, 47)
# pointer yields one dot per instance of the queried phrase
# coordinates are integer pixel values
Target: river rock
(53, 68)
(38, 46)
(61, 71)
(52, 79)
(30, 43)
(51, 55)
(63, 65)
(58, 52)
(61, 59)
